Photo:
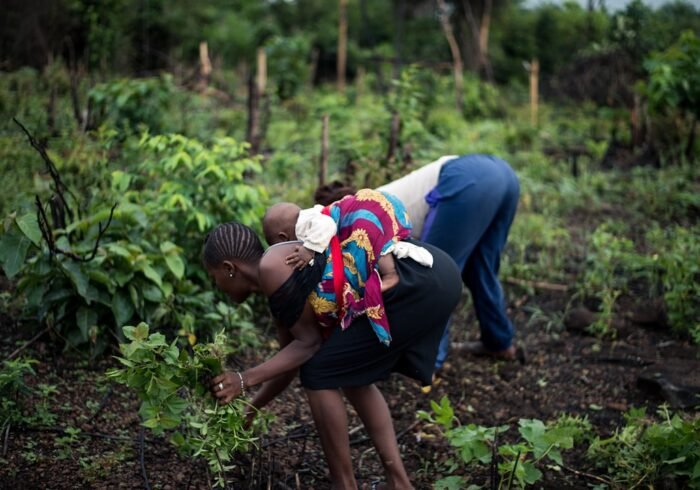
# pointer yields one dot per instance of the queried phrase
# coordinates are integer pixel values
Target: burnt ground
(566, 371)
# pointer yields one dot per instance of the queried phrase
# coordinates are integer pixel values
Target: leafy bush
(128, 103)
(173, 387)
(674, 88)
(649, 453)
(187, 187)
(288, 64)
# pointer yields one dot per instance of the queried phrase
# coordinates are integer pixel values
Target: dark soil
(566, 371)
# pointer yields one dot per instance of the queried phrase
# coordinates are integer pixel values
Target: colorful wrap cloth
(369, 223)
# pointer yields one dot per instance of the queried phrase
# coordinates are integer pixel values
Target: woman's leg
(330, 416)
(374, 413)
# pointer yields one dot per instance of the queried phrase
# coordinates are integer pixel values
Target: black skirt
(418, 308)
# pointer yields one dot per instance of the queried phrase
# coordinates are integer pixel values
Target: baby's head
(280, 221)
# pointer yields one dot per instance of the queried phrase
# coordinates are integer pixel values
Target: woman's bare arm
(298, 343)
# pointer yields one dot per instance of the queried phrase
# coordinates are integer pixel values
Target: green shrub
(128, 103)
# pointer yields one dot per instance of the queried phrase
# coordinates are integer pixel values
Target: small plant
(21, 404)
(519, 461)
(65, 444)
(172, 385)
(678, 257)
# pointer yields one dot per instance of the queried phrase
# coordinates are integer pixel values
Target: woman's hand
(227, 386)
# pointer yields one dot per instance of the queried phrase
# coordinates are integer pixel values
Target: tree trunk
(261, 80)
(691, 138)
(323, 161)
(456, 55)
(399, 14)
(342, 43)
(393, 137)
(75, 99)
(205, 67)
(484, 62)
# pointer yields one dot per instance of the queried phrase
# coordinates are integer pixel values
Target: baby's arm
(315, 230)
(387, 271)
(300, 257)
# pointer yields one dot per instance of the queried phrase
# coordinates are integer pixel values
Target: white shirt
(315, 229)
(412, 189)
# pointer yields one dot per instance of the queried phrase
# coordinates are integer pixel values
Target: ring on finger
(221, 386)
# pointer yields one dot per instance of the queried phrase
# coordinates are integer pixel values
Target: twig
(143, 464)
(270, 462)
(28, 343)
(7, 436)
(48, 234)
(292, 435)
(399, 435)
(549, 286)
(494, 461)
(60, 186)
(588, 475)
(512, 473)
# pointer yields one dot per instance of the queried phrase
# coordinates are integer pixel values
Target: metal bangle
(240, 376)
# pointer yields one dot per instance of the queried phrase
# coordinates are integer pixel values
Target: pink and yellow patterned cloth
(369, 223)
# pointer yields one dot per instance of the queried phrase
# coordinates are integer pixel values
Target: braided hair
(231, 240)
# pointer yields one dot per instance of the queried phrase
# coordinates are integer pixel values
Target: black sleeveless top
(287, 303)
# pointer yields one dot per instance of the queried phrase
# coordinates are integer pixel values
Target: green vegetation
(145, 142)
(174, 389)
(644, 451)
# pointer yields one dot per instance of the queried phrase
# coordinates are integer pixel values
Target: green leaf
(152, 293)
(75, 273)
(530, 473)
(151, 423)
(85, 318)
(122, 308)
(153, 275)
(176, 265)
(30, 227)
(450, 483)
(13, 251)
(168, 248)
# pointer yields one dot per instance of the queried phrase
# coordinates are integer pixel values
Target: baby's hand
(299, 258)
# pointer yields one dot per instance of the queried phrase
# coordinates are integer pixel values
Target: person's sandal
(477, 348)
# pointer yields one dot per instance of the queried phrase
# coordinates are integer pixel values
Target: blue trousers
(471, 211)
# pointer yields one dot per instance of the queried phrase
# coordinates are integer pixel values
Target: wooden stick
(456, 55)
(588, 475)
(141, 460)
(537, 284)
(534, 90)
(261, 79)
(29, 342)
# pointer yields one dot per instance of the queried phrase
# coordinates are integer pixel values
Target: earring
(230, 274)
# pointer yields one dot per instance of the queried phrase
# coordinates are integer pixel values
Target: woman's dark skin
(238, 279)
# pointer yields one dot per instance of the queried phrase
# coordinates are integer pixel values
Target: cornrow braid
(231, 240)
